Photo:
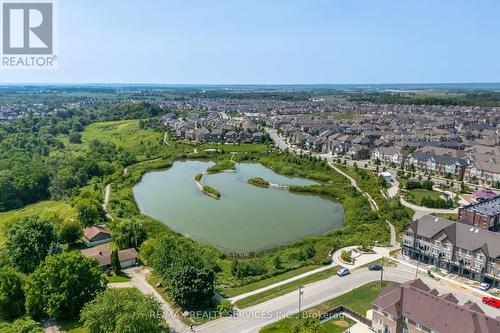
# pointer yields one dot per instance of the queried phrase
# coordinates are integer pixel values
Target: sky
(272, 42)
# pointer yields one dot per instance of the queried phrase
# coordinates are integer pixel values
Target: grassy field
(416, 195)
(360, 300)
(231, 292)
(47, 209)
(284, 289)
(125, 134)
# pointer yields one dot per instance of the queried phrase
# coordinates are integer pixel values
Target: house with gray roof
(456, 247)
(414, 307)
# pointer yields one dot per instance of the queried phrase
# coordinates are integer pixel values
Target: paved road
(254, 318)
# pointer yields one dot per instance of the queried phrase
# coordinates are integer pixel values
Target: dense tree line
(35, 164)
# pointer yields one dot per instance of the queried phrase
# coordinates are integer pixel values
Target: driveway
(138, 280)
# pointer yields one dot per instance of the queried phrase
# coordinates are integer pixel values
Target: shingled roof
(415, 301)
(460, 234)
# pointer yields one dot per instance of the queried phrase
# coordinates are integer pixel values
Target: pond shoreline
(267, 219)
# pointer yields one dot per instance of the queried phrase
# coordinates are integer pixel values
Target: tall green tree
(122, 311)
(115, 262)
(29, 241)
(62, 284)
(90, 211)
(69, 232)
(128, 234)
(187, 268)
(11, 294)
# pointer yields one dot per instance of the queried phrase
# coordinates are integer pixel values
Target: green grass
(258, 181)
(417, 195)
(359, 300)
(122, 277)
(231, 292)
(126, 134)
(334, 325)
(451, 217)
(46, 209)
(284, 289)
(221, 166)
(238, 148)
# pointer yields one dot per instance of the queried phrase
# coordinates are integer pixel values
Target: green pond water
(246, 217)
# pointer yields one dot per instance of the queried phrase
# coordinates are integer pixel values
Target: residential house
(484, 214)
(458, 248)
(414, 307)
(96, 235)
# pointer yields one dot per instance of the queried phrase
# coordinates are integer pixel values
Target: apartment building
(413, 307)
(484, 214)
(455, 247)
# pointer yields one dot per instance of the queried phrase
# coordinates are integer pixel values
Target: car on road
(343, 272)
(492, 301)
(375, 267)
(484, 286)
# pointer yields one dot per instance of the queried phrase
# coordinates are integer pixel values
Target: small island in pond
(210, 191)
(257, 181)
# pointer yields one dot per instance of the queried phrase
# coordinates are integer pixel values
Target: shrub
(345, 256)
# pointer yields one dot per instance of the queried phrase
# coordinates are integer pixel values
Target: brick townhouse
(413, 307)
(484, 214)
(455, 247)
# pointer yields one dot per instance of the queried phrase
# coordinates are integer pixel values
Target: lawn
(231, 292)
(120, 278)
(417, 195)
(338, 325)
(451, 217)
(47, 209)
(360, 300)
(284, 289)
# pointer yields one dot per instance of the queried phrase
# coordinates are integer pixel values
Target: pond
(246, 217)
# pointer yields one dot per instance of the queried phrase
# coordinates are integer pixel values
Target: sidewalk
(422, 269)
(277, 284)
(361, 259)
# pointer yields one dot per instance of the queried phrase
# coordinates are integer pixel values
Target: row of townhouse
(427, 162)
(456, 247)
(224, 133)
(413, 307)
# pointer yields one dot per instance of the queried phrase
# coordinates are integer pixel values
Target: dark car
(375, 268)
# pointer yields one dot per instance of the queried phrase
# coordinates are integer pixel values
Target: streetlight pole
(418, 263)
(301, 293)
(382, 272)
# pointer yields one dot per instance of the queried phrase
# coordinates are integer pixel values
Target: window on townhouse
(437, 243)
(418, 326)
(478, 266)
(479, 256)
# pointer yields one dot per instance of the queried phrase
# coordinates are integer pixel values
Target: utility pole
(382, 272)
(418, 263)
(301, 293)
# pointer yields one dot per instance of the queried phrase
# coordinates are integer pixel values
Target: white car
(343, 272)
(484, 286)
